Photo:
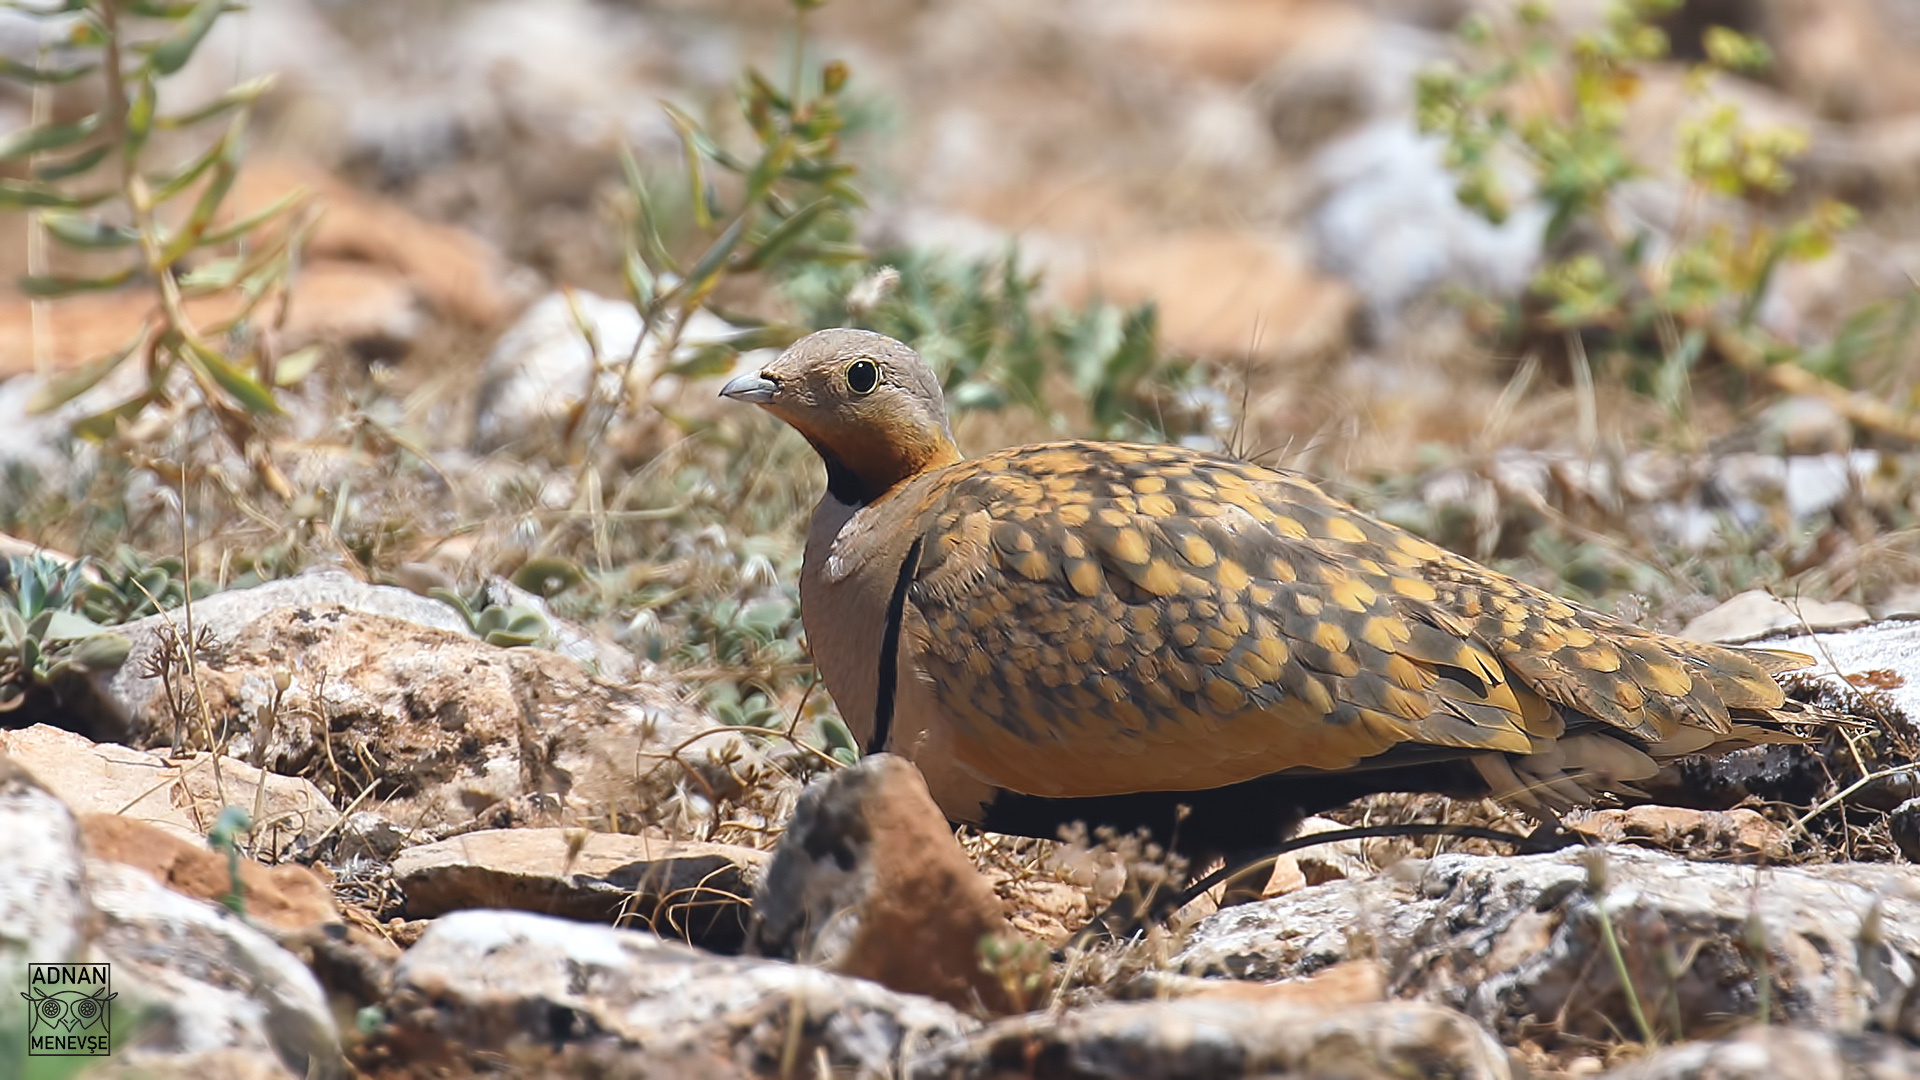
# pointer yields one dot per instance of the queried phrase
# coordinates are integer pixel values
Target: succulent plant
(506, 625)
(132, 586)
(42, 638)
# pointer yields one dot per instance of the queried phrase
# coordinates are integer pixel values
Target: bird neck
(862, 471)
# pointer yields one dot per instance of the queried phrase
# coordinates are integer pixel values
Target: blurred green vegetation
(1537, 113)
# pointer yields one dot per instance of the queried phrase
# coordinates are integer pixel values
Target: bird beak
(752, 387)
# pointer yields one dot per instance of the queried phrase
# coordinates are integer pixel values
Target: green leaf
(759, 87)
(244, 94)
(698, 140)
(297, 365)
(73, 166)
(241, 387)
(166, 187)
(646, 221)
(85, 232)
(14, 69)
(139, 117)
(455, 601)
(772, 164)
(101, 425)
(704, 361)
(173, 51)
(100, 652)
(696, 175)
(213, 275)
(638, 280)
(63, 388)
(15, 195)
(208, 204)
(706, 273)
(68, 626)
(40, 137)
(163, 9)
(784, 234)
(57, 285)
(256, 219)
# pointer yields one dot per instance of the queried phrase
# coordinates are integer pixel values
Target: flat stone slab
(181, 796)
(680, 889)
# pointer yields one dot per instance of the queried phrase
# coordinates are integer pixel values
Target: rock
(867, 880)
(1351, 982)
(1804, 487)
(1701, 834)
(287, 897)
(1230, 40)
(1756, 614)
(205, 980)
(443, 726)
(201, 987)
(546, 994)
(1882, 659)
(680, 889)
(452, 269)
(1388, 222)
(1779, 773)
(1217, 293)
(1851, 59)
(1904, 824)
(363, 307)
(1804, 425)
(1512, 941)
(43, 900)
(179, 796)
(1222, 1038)
(1316, 865)
(533, 378)
(206, 1065)
(367, 835)
(1767, 1053)
(1902, 602)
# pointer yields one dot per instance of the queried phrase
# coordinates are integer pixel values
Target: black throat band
(889, 678)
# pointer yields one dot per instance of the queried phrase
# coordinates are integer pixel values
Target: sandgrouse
(1102, 632)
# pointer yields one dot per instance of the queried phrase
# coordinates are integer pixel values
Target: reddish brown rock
(1218, 292)
(454, 270)
(288, 897)
(354, 303)
(869, 881)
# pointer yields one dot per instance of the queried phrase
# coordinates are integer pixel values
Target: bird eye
(863, 376)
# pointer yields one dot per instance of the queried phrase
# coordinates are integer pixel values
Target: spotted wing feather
(1096, 618)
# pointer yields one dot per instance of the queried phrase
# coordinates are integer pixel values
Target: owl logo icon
(68, 1010)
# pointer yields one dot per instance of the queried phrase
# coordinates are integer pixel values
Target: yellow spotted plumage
(1081, 620)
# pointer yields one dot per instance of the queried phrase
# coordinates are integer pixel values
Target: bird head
(868, 404)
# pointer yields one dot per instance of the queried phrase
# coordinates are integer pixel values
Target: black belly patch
(1252, 814)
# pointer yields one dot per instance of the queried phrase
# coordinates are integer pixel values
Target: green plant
(1540, 114)
(131, 586)
(105, 192)
(43, 639)
(506, 625)
(1596, 890)
(225, 837)
(786, 200)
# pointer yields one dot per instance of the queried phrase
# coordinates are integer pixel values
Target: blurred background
(1617, 295)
